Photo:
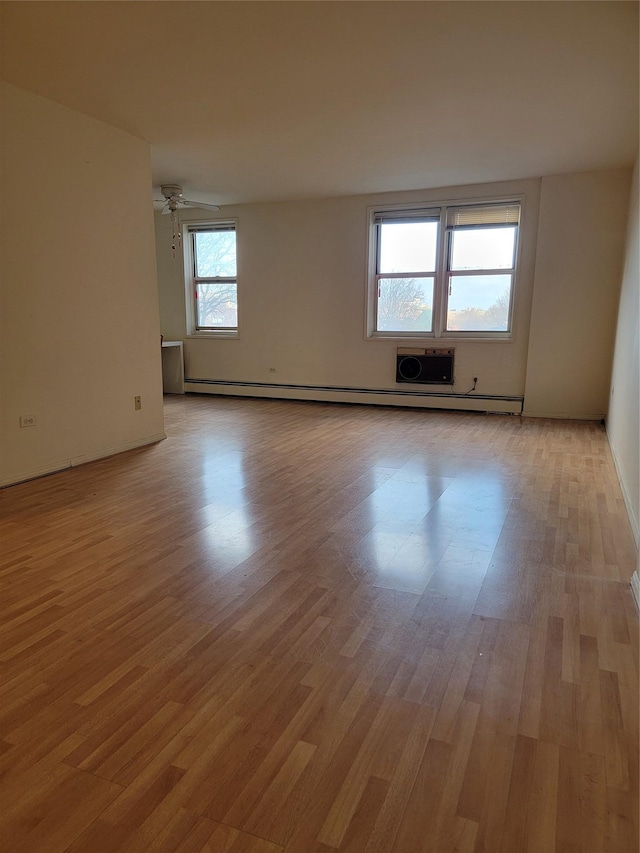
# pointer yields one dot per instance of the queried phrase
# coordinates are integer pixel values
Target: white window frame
(191, 280)
(442, 272)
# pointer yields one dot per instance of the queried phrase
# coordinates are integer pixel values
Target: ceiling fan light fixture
(170, 191)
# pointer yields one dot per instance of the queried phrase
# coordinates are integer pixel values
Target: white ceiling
(253, 101)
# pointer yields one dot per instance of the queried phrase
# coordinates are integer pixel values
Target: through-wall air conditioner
(424, 366)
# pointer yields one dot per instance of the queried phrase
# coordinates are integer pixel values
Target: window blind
(418, 215)
(494, 214)
(223, 226)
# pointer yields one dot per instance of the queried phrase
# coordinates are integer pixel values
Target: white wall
(79, 334)
(623, 421)
(302, 268)
(581, 234)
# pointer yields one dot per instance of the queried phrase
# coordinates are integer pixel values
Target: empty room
(319, 426)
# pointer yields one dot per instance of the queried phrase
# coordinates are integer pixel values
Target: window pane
(479, 303)
(215, 254)
(217, 305)
(408, 246)
(483, 248)
(405, 304)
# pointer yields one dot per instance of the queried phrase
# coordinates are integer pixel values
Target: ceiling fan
(174, 200)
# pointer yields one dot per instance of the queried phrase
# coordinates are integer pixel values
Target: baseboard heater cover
(223, 386)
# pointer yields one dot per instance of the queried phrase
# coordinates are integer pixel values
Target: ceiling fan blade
(201, 204)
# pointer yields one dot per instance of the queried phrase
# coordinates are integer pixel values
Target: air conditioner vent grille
(425, 366)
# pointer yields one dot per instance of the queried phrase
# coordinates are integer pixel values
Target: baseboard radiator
(415, 397)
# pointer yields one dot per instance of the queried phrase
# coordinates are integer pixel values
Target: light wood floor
(307, 627)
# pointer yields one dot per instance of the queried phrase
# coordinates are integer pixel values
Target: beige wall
(623, 421)
(79, 307)
(302, 268)
(302, 299)
(581, 235)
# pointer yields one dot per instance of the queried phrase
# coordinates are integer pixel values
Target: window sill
(211, 336)
(445, 340)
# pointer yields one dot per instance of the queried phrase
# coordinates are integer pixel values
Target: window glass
(216, 304)
(408, 247)
(405, 304)
(483, 248)
(215, 254)
(479, 303)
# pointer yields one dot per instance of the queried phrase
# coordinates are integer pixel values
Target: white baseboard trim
(34, 473)
(633, 521)
(81, 459)
(378, 397)
(112, 451)
(635, 587)
(564, 416)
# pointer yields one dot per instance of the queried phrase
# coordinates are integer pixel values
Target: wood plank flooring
(303, 627)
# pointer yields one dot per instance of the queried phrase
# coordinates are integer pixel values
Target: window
(407, 248)
(447, 270)
(211, 266)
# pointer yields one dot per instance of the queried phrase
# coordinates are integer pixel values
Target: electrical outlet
(137, 403)
(27, 420)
